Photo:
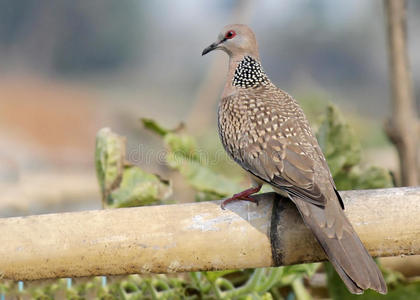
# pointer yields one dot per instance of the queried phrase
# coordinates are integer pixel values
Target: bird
(265, 131)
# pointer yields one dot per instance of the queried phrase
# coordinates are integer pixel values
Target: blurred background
(69, 68)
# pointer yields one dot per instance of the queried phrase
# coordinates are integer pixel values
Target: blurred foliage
(338, 143)
(258, 284)
(369, 131)
(139, 188)
(123, 184)
(399, 287)
(182, 155)
(108, 160)
(342, 151)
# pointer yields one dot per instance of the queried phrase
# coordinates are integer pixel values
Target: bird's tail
(342, 246)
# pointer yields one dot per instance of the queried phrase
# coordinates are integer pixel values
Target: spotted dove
(266, 132)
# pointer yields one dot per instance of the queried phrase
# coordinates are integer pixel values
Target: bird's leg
(244, 195)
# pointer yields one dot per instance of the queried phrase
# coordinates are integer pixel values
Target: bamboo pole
(195, 236)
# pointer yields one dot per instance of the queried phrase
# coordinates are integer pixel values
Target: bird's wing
(275, 148)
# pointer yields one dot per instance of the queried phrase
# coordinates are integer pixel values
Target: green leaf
(213, 275)
(109, 160)
(182, 145)
(201, 178)
(154, 126)
(139, 188)
(121, 184)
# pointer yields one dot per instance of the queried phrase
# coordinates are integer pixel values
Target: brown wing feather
(274, 142)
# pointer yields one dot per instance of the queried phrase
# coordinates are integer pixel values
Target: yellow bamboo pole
(195, 236)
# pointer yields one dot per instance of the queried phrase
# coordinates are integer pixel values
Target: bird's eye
(230, 34)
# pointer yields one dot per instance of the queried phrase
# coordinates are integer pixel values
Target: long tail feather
(342, 246)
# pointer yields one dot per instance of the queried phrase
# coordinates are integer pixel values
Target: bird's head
(235, 39)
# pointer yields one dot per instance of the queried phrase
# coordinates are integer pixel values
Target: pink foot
(244, 195)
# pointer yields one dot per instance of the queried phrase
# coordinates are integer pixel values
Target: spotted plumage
(266, 132)
(249, 74)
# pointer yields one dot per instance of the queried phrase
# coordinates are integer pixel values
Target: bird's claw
(228, 200)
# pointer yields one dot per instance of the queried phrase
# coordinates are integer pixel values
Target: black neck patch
(249, 74)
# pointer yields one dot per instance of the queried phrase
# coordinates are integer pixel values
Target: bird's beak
(210, 48)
